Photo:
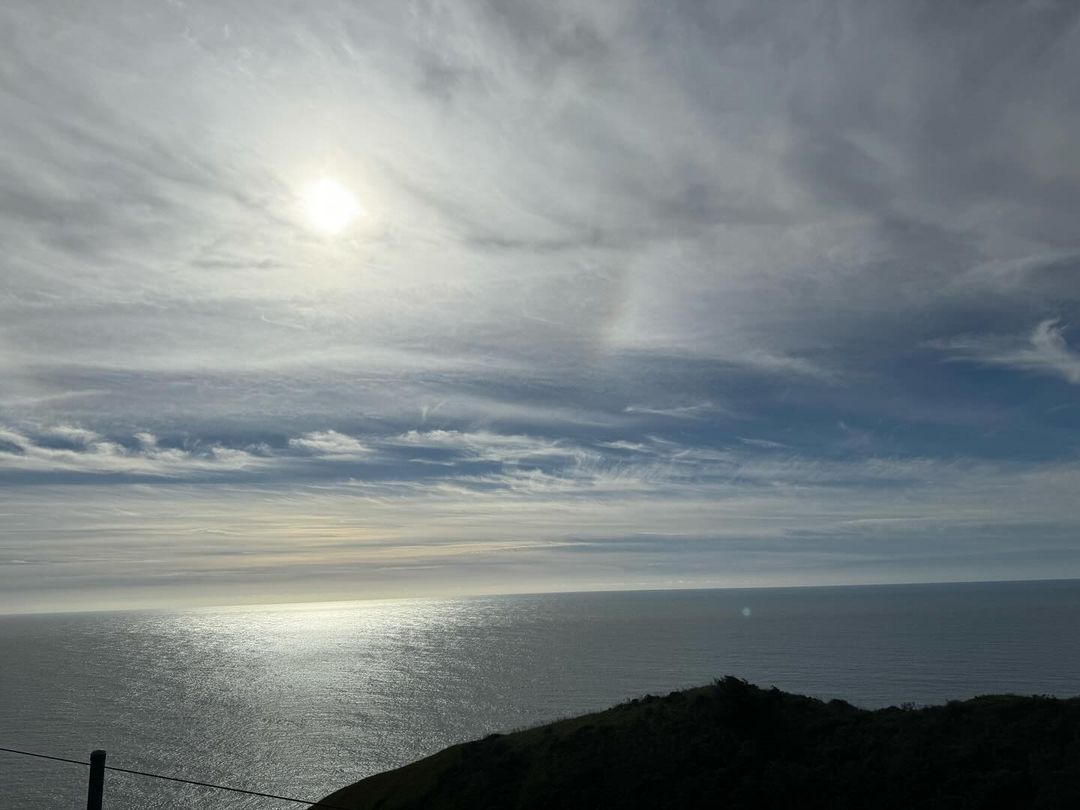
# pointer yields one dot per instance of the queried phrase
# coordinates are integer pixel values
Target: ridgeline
(734, 745)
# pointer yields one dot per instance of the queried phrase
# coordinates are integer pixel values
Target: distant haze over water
(301, 700)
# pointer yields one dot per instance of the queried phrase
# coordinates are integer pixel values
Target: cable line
(43, 756)
(182, 781)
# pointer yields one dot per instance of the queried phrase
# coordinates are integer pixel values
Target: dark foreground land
(733, 745)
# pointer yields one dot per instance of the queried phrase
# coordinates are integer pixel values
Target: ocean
(300, 700)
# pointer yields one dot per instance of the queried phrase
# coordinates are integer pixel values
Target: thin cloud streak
(1043, 351)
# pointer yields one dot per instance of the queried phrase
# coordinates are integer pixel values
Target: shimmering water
(301, 700)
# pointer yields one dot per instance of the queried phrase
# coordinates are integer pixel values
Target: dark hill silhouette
(734, 745)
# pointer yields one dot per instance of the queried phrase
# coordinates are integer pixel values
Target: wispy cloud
(489, 446)
(767, 443)
(92, 454)
(1043, 351)
(696, 410)
(329, 443)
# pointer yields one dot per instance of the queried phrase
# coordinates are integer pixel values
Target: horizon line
(313, 604)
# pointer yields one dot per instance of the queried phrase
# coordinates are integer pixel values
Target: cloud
(143, 454)
(489, 446)
(721, 213)
(75, 434)
(690, 411)
(329, 443)
(766, 443)
(21, 453)
(1043, 351)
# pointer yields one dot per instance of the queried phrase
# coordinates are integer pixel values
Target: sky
(638, 295)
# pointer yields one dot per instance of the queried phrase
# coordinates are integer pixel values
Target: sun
(330, 207)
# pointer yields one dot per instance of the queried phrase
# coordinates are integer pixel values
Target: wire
(225, 787)
(43, 756)
(182, 781)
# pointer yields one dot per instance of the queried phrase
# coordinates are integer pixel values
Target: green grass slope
(733, 745)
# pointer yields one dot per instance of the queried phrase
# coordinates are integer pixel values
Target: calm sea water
(301, 700)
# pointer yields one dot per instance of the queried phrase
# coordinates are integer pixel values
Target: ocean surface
(303, 699)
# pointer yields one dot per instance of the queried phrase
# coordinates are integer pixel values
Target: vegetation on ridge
(734, 745)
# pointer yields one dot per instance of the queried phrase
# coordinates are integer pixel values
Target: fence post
(97, 780)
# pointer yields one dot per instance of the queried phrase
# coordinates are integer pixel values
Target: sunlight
(330, 207)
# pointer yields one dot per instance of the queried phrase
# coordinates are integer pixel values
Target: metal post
(97, 780)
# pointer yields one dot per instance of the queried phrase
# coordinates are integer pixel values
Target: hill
(734, 745)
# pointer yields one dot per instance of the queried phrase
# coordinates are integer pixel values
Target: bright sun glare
(330, 207)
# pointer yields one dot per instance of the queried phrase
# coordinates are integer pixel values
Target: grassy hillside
(733, 745)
